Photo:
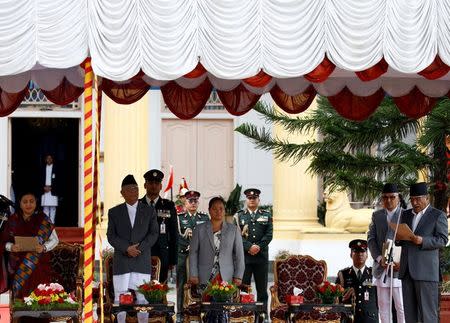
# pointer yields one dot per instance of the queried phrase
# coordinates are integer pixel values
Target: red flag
(170, 182)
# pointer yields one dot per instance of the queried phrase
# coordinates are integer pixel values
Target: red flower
(45, 300)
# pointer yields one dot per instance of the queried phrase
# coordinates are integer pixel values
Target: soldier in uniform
(257, 230)
(181, 207)
(186, 224)
(166, 246)
(357, 281)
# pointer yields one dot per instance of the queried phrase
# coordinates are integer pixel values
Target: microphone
(5, 200)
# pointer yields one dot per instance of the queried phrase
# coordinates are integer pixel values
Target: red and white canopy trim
(293, 49)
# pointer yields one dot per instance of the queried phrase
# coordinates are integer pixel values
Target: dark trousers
(420, 300)
(260, 272)
(163, 273)
(181, 280)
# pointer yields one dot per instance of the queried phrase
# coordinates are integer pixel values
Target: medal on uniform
(366, 296)
(162, 228)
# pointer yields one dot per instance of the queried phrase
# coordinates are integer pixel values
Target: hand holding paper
(403, 232)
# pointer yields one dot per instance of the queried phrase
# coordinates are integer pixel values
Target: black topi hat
(390, 188)
(418, 189)
(129, 180)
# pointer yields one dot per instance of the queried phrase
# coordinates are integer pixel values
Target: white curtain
(233, 39)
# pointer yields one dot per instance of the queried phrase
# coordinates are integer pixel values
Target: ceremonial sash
(31, 259)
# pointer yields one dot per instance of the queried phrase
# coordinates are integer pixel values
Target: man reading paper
(419, 264)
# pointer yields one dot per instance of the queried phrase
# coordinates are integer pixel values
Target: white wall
(253, 167)
(4, 157)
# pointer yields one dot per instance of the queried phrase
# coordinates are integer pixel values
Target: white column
(5, 160)
(154, 128)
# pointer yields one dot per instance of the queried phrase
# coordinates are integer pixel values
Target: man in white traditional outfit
(379, 232)
(49, 199)
(132, 231)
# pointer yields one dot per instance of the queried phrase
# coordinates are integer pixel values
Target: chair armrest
(188, 298)
(275, 302)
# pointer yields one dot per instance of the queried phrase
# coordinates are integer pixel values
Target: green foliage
(233, 203)
(19, 305)
(361, 156)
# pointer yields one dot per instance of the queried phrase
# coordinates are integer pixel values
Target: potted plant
(221, 291)
(329, 293)
(48, 297)
(153, 291)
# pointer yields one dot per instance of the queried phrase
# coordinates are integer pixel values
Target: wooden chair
(192, 300)
(303, 272)
(66, 261)
(108, 289)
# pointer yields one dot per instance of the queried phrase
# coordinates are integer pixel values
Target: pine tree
(361, 156)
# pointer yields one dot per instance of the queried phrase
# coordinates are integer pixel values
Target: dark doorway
(32, 140)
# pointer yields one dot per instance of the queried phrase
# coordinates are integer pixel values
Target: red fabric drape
(436, 70)
(321, 72)
(9, 102)
(373, 72)
(415, 104)
(293, 103)
(355, 107)
(64, 93)
(259, 80)
(198, 71)
(186, 103)
(125, 93)
(239, 100)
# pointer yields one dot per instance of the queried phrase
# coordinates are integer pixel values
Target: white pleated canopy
(46, 40)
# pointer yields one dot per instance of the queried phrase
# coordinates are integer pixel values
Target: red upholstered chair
(303, 272)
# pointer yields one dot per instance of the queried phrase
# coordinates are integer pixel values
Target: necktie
(359, 274)
(152, 203)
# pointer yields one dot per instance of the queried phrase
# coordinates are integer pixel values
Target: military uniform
(166, 246)
(256, 228)
(186, 225)
(365, 297)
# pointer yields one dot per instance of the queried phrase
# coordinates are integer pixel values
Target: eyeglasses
(192, 201)
(417, 198)
(389, 197)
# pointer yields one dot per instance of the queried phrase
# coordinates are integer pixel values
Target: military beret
(418, 189)
(252, 192)
(128, 180)
(358, 245)
(154, 175)
(390, 188)
(192, 195)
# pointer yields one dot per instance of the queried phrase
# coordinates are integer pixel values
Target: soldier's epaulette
(263, 211)
(202, 213)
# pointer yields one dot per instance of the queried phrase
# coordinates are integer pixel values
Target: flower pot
(152, 299)
(329, 300)
(221, 298)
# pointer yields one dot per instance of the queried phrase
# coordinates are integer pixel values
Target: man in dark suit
(379, 232)
(357, 280)
(49, 180)
(419, 265)
(132, 231)
(165, 247)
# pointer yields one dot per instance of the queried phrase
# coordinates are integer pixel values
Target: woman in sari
(28, 269)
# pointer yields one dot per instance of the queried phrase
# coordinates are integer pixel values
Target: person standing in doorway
(165, 247)
(379, 232)
(257, 230)
(49, 199)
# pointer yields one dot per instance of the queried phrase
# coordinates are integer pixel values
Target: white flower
(56, 287)
(42, 287)
(70, 300)
(28, 301)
